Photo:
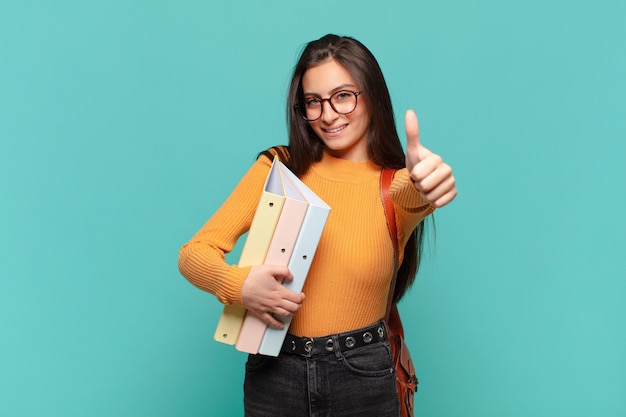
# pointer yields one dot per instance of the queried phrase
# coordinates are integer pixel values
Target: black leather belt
(307, 346)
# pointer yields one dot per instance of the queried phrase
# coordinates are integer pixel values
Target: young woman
(341, 134)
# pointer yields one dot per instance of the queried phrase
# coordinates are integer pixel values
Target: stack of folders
(285, 230)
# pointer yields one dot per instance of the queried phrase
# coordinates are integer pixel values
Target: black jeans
(358, 382)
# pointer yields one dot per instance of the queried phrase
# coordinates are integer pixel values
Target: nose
(328, 113)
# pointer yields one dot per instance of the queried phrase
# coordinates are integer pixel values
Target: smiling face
(344, 135)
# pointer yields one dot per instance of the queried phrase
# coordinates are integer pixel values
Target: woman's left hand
(430, 174)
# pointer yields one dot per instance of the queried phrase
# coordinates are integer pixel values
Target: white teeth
(335, 130)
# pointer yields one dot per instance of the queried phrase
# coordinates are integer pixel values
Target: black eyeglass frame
(302, 113)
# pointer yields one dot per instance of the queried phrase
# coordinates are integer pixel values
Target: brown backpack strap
(386, 178)
(281, 150)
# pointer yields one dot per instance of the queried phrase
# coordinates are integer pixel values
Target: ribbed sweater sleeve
(410, 206)
(202, 259)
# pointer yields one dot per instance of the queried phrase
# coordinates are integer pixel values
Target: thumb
(412, 137)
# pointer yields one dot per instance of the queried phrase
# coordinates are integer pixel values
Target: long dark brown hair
(384, 145)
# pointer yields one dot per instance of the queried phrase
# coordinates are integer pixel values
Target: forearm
(411, 207)
(202, 260)
(205, 267)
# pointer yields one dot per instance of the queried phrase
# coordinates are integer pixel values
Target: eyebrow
(331, 92)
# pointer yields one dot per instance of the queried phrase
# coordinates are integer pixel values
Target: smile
(335, 130)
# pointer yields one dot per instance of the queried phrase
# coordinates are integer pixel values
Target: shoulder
(281, 151)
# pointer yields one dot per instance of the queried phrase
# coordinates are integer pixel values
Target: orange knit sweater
(348, 282)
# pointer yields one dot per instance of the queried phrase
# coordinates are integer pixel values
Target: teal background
(125, 124)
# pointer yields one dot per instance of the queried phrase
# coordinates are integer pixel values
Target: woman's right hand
(263, 294)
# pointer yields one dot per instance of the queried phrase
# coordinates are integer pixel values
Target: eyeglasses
(342, 102)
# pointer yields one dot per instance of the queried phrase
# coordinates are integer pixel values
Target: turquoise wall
(124, 124)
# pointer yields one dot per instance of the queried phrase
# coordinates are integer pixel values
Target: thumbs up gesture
(430, 174)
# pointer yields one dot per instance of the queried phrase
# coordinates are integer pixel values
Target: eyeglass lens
(342, 102)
